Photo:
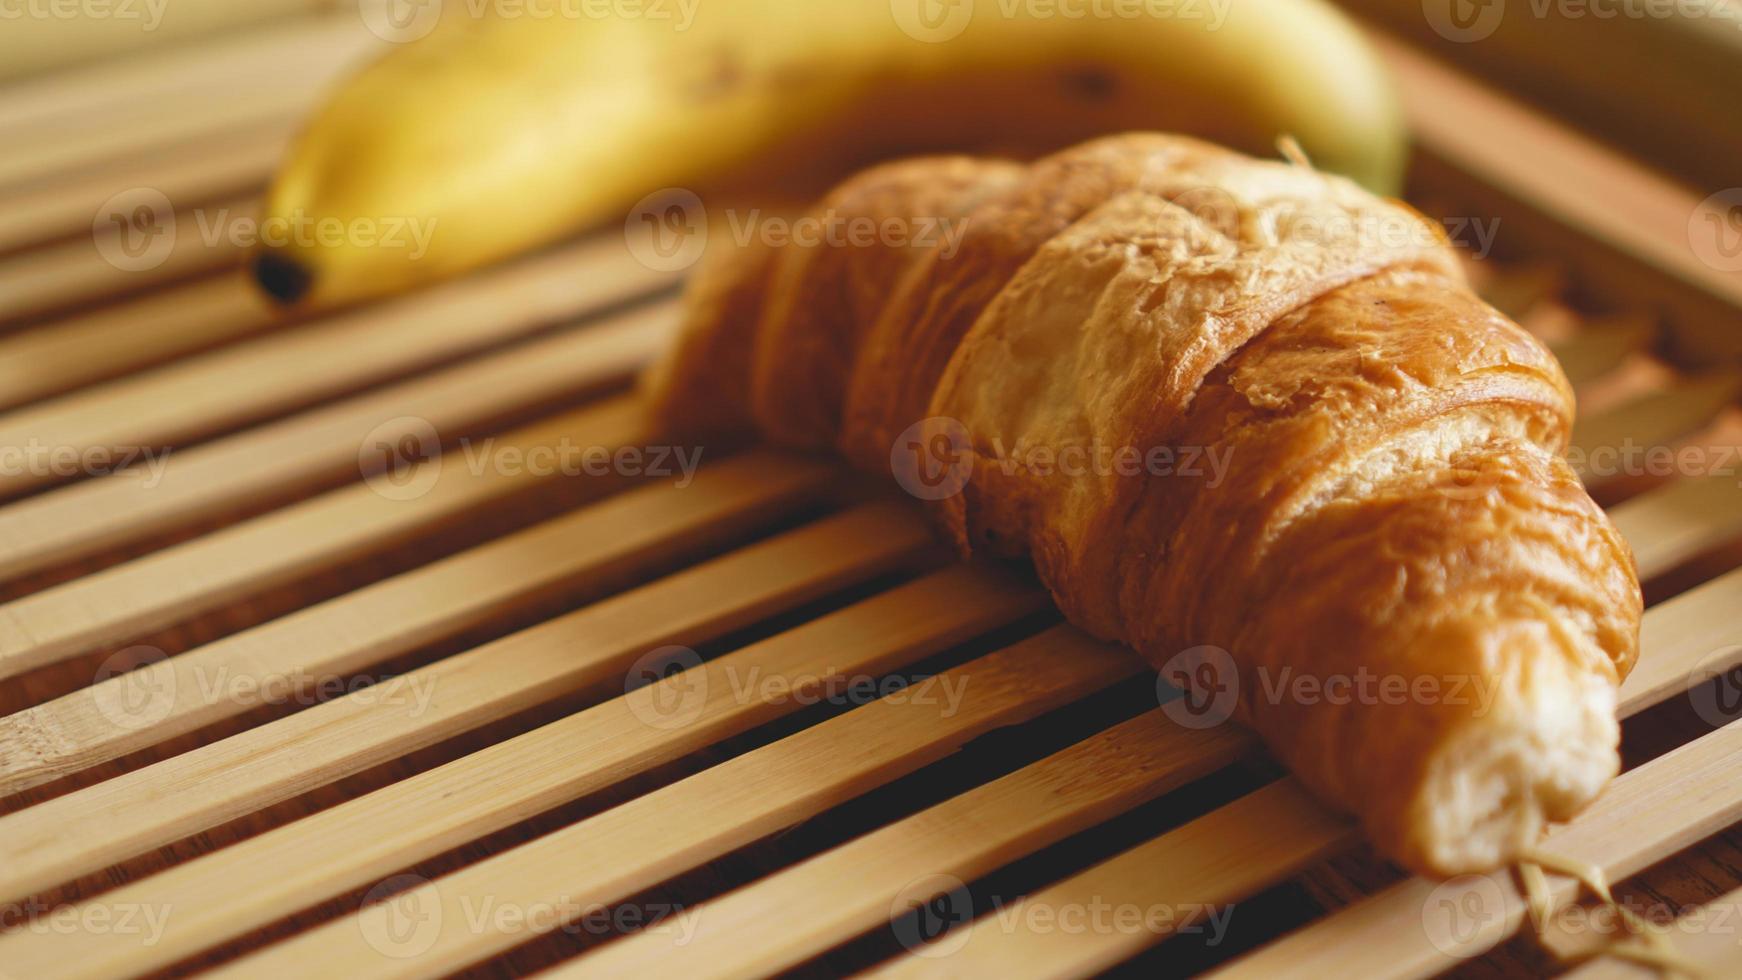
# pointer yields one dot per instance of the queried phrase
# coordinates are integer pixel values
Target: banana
(499, 133)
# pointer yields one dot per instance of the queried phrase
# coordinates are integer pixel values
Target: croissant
(1425, 616)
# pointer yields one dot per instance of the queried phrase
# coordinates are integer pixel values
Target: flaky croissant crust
(1393, 504)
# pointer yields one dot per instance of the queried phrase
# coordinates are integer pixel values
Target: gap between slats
(1209, 862)
(227, 164)
(74, 119)
(647, 840)
(426, 814)
(79, 272)
(54, 358)
(308, 449)
(640, 529)
(242, 384)
(173, 585)
(780, 921)
(93, 827)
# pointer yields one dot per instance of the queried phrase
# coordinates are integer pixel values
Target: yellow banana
(498, 132)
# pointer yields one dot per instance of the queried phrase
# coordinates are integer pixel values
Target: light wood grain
(226, 165)
(1684, 641)
(287, 657)
(1178, 880)
(1604, 441)
(65, 37)
(76, 272)
(76, 118)
(1669, 525)
(376, 834)
(58, 356)
(250, 381)
(1404, 931)
(320, 445)
(98, 825)
(782, 920)
(647, 840)
(1709, 937)
(169, 586)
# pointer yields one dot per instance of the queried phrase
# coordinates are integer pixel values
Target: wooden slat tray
(268, 707)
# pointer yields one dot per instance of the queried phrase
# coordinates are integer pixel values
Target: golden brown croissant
(1428, 616)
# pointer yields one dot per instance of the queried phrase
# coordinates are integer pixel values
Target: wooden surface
(290, 693)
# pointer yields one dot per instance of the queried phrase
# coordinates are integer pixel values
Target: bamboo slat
(657, 835)
(115, 90)
(283, 658)
(169, 586)
(55, 357)
(780, 921)
(1178, 879)
(1709, 937)
(47, 38)
(1658, 419)
(1392, 934)
(1671, 524)
(1683, 640)
(429, 813)
(315, 446)
(92, 827)
(226, 165)
(73, 119)
(241, 384)
(79, 271)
